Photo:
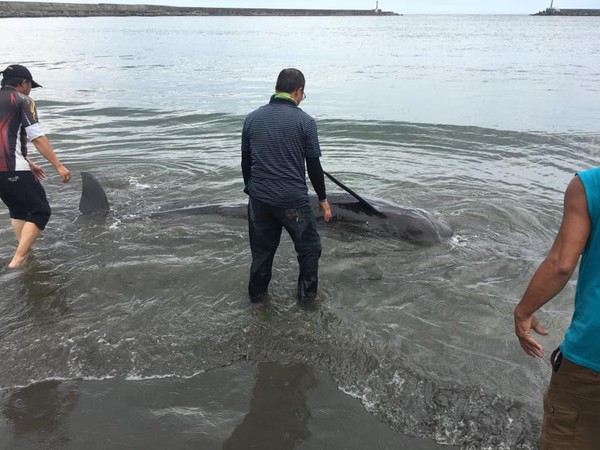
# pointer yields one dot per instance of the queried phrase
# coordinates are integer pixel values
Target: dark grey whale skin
(363, 215)
(93, 200)
(409, 224)
(382, 218)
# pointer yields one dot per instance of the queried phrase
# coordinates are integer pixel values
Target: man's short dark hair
(12, 81)
(289, 80)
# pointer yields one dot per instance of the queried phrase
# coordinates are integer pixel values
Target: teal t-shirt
(582, 339)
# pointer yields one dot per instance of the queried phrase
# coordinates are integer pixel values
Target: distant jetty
(568, 12)
(39, 9)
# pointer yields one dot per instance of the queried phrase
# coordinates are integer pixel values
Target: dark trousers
(265, 223)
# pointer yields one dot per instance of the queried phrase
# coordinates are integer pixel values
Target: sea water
(131, 332)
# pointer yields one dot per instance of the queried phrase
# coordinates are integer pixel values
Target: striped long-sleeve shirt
(279, 137)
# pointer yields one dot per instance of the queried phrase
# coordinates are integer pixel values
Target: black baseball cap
(19, 71)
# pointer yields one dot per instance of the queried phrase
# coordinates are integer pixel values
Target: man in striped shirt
(20, 187)
(279, 141)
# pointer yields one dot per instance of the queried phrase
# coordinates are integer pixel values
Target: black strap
(361, 200)
(556, 359)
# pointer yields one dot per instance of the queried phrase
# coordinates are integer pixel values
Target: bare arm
(38, 171)
(43, 146)
(555, 271)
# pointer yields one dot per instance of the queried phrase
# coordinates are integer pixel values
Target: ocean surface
(129, 332)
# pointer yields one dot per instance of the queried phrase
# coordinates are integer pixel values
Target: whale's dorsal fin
(93, 198)
(361, 200)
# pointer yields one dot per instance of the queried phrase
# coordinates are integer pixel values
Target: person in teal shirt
(572, 400)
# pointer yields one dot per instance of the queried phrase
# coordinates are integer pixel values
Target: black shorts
(25, 197)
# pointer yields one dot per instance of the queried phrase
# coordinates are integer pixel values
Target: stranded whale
(364, 215)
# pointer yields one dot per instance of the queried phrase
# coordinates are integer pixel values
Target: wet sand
(242, 406)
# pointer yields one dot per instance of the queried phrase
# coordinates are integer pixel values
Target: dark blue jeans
(265, 223)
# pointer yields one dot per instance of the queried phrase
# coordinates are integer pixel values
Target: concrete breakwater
(38, 9)
(569, 12)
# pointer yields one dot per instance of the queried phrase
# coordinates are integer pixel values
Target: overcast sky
(399, 6)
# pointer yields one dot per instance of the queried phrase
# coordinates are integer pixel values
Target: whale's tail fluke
(93, 198)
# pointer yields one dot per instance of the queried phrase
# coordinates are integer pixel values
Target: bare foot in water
(18, 262)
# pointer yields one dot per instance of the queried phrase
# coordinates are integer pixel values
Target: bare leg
(17, 227)
(29, 232)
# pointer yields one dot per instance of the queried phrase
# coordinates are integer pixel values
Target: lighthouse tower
(552, 9)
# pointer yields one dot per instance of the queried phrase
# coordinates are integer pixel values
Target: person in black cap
(20, 187)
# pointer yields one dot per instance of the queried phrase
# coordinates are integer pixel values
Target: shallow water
(129, 324)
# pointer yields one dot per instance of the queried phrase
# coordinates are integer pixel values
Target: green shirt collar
(284, 96)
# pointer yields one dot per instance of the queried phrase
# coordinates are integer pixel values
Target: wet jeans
(265, 223)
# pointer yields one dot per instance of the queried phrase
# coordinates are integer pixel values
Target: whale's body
(363, 215)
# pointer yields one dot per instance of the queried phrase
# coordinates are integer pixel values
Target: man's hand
(43, 146)
(37, 171)
(324, 206)
(523, 327)
(64, 173)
